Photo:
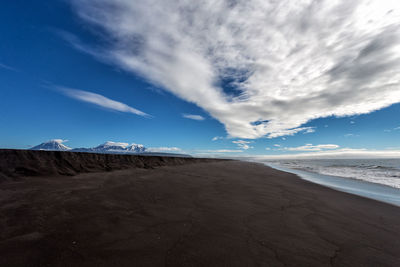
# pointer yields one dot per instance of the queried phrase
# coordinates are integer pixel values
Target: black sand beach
(77, 209)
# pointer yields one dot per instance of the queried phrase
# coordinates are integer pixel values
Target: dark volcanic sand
(225, 213)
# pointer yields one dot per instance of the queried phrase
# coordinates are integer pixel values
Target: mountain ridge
(108, 147)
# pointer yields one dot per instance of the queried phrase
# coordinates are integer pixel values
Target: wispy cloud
(389, 130)
(193, 117)
(215, 138)
(242, 144)
(304, 130)
(311, 147)
(76, 43)
(4, 66)
(309, 130)
(164, 149)
(220, 151)
(289, 61)
(351, 135)
(338, 153)
(100, 100)
(58, 140)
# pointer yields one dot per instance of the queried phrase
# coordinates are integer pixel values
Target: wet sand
(215, 213)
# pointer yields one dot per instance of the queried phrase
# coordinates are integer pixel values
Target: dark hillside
(19, 163)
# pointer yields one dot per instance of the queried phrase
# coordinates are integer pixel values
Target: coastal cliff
(19, 163)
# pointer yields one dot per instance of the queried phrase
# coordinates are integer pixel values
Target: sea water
(373, 178)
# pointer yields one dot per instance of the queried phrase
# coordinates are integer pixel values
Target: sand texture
(210, 213)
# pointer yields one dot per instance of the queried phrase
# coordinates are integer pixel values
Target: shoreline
(206, 213)
(375, 191)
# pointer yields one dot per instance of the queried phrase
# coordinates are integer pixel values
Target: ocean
(380, 171)
(373, 178)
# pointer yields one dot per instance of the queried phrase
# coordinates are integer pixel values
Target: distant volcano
(115, 147)
(55, 144)
(107, 147)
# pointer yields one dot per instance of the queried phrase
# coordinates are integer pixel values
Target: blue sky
(66, 75)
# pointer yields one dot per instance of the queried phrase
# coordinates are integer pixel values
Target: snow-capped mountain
(117, 147)
(55, 144)
(138, 148)
(107, 147)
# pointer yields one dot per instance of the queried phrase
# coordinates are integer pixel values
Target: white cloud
(220, 151)
(310, 147)
(215, 138)
(163, 149)
(193, 117)
(277, 145)
(279, 133)
(242, 144)
(112, 143)
(389, 130)
(100, 100)
(289, 61)
(309, 130)
(58, 140)
(339, 153)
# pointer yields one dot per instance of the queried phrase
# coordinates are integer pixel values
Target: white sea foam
(380, 171)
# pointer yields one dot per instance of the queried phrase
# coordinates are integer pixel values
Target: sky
(209, 77)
